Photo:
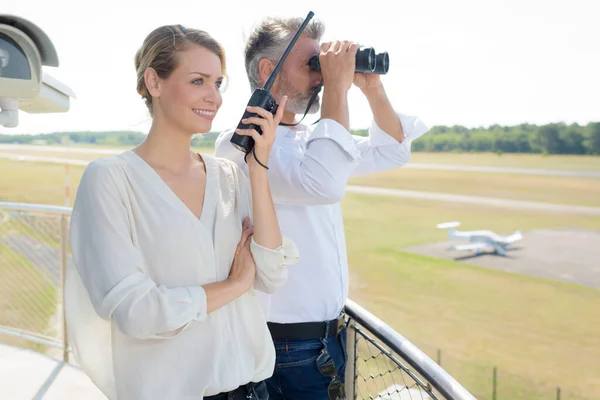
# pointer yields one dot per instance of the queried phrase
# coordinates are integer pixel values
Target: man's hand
(338, 61)
(367, 82)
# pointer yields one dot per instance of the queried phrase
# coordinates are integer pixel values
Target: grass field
(77, 152)
(27, 182)
(536, 161)
(547, 189)
(23, 183)
(540, 334)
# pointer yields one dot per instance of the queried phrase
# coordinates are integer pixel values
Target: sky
(459, 62)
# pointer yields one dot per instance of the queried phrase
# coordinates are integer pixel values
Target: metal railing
(387, 366)
(34, 254)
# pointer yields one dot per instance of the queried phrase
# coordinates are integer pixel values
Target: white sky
(466, 62)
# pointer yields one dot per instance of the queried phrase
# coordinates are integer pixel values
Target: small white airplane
(479, 240)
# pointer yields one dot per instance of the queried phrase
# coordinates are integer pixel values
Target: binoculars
(367, 62)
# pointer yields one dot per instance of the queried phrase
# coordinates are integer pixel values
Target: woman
(159, 300)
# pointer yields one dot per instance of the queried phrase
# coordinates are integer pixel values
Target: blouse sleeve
(111, 267)
(271, 264)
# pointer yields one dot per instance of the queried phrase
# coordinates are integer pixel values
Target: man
(309, 168)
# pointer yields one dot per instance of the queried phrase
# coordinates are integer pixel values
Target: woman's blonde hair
(159, 51)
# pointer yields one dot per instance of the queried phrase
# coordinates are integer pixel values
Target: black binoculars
(367, 62)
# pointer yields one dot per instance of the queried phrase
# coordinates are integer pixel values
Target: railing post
(64, 246)
(350, 376)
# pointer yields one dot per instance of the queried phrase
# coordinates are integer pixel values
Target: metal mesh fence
(379, 374)
(32, 251)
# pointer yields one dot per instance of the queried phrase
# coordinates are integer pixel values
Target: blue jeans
(296, 376)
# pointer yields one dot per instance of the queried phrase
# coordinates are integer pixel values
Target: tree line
(108, 138)
(558, 138)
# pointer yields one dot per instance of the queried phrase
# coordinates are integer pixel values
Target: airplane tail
(451, 226)
(448, 225)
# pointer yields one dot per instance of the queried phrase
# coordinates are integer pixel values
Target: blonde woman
(169, 245)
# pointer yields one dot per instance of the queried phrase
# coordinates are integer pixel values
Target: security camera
(24, 49)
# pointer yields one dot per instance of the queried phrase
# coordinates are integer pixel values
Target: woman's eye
(199, 81)
(219, 84)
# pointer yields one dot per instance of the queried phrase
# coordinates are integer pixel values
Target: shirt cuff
(286, 254)
(412, 127)
(271, 264)
(198, 296)
(330, 129)
(199, 307)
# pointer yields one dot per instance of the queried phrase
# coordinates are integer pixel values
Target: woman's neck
(167, 148)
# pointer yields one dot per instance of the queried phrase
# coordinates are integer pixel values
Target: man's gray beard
(297, 102)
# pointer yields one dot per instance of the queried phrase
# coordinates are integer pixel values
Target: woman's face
(190, 97)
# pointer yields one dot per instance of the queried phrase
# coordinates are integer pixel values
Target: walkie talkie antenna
(271, 80)
(262, 97)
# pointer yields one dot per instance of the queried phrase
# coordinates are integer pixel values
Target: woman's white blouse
(136, 312)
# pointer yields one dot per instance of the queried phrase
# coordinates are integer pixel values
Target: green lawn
(76, 153)
(546, 189)
(41, 183)
(29, 181)
(536, 161)
(539, 333)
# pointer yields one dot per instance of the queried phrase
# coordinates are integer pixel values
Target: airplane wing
(471, 246)
(506, 240)
(517, 235)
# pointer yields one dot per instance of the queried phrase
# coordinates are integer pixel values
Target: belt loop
(327, 323)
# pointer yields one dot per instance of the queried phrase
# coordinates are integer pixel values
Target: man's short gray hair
(270, 38)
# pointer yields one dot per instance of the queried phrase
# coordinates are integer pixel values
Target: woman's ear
(152, 82)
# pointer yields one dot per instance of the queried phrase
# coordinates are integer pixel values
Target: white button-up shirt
(136, 310)
(309, 168)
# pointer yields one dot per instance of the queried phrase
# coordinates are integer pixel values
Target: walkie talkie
(263, 98)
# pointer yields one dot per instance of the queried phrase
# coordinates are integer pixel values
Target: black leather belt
(252, 390)
(305, 330)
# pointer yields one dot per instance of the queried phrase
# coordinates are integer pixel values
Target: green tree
(592, 141)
